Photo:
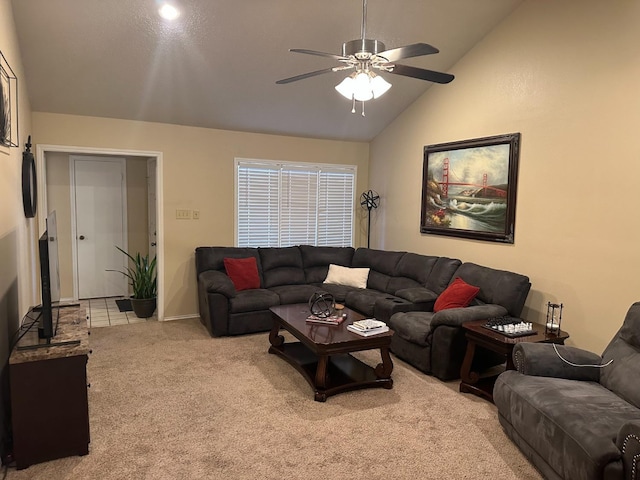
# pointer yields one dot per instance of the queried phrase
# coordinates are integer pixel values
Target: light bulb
(345, 88)
(168, 12)
(379, 86)
(362, 87)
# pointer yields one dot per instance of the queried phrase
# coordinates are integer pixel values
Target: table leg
(275, 339)
(384, 369)
(321, 372)
(466, 374)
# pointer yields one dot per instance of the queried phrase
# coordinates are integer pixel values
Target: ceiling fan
(365, 56)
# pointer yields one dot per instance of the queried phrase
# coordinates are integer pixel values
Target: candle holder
(554, 318)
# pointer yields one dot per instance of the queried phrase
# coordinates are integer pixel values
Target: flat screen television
(49, 279)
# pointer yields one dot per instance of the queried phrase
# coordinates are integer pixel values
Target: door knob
(153, 244)
(81, 237)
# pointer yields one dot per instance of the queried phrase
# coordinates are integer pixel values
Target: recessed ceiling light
(169, 12)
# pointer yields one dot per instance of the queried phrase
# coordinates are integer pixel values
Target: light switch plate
(183, 214)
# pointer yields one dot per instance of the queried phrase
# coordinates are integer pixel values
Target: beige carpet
(169, 402)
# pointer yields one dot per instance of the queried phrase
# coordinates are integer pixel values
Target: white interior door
(151, 189)
(99, 186)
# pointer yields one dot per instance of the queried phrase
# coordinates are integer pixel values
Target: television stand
(49, 401)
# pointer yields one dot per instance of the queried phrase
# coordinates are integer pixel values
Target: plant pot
(143, 307)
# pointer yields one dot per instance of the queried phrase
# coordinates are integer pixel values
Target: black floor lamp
(369, 200)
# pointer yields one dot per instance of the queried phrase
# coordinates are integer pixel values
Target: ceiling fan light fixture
(168, 11)
(379, 86)
(345, 88)
(362, 87)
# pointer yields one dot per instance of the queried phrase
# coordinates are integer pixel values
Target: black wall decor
(8, 104)
(29, 182)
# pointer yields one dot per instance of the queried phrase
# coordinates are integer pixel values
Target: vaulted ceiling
(217, 64)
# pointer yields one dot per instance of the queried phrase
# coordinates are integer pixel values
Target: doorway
(145, 160)
(98, 225)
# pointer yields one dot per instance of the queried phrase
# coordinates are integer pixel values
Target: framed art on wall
(469, 188)
(8, 105)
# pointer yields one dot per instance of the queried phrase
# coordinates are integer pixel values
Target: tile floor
(103, 312)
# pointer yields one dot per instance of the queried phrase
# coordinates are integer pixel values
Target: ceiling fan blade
(304, 75)
(422, 74)
(408, 51)
(319, 54)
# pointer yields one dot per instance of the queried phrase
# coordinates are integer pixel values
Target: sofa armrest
(455, 317)
(541, 359)
(214, 281)
(628, 441)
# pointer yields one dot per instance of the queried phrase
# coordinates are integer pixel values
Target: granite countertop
(72, 325)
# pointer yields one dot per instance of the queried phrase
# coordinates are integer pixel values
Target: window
(282, 204)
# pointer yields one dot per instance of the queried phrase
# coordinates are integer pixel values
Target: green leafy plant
(142, 275)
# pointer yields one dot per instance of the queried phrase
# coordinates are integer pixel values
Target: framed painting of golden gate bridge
(469, 188)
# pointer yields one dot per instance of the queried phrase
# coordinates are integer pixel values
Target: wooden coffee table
(322, 353)
(479, 336)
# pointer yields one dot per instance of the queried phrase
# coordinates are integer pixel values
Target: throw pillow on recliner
(457, 295)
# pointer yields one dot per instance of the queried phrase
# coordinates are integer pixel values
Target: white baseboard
(181, 317)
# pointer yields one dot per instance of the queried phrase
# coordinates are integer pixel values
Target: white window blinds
(286, 204)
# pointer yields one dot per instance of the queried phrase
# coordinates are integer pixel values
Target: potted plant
(143, 280)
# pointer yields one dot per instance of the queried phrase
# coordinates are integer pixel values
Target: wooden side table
(477, 335)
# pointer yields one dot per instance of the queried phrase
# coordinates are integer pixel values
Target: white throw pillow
(352, 277)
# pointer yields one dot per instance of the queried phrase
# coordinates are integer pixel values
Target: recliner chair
(435, 343)
(576, 422)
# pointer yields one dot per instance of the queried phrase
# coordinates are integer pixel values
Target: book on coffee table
(368, 324)
(332, 320)
(368, 327)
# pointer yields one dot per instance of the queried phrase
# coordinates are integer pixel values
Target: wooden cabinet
(49, 402)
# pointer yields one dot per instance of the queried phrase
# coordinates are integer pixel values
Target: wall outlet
(183, 214)
(196, 214)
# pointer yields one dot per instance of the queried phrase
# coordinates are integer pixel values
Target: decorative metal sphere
(321, 304)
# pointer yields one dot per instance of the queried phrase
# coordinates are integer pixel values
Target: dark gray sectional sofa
(398, 282)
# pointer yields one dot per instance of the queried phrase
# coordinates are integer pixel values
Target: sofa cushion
(316, 260)
(281, 266)
(364, 301)
(253, 300)
(412, 270)
(457, 295)
(417, 295)
(212, 258)
(339, 292)
(295, 293)
(388, 305)
(414, 327)
(624, 350)
(499, 287)
(352, 277)
(243, 272)
(571, 424)
(382, 264)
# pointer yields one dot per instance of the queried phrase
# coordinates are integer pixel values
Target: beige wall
(16, 259)
(16, 232)
(565, 75)
(59, 199)
(137, 205)
(198, 174)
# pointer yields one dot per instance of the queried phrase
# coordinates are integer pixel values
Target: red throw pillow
(457, 295)
(243, 272)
